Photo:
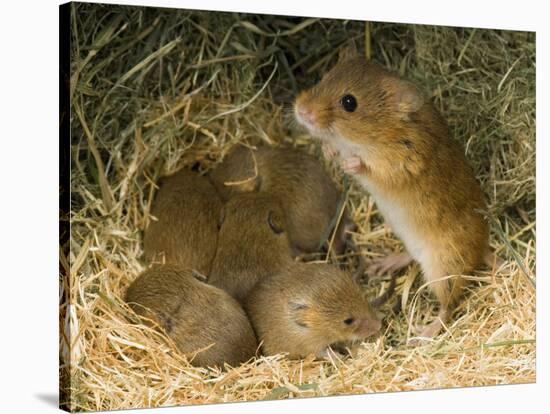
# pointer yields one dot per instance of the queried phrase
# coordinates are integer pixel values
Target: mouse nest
(154, 90)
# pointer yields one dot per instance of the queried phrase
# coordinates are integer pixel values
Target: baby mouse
(194, 314)
(253, 243)
(307, 307)
(187, 207)
(307, 193)
(391, 138)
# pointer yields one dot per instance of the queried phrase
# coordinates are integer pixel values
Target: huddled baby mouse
(253, 243)
(389, 136)
(197, 316)
(306, 308)
(187, 208)
(307, 193)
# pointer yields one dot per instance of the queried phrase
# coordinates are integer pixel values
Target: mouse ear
(348, 52)
(408, 98)
(298, 313)
(275, 222)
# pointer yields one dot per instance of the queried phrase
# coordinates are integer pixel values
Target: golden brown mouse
(187, 207)
(307, 307)
(307, 193)
(253, 243)
(390, 137)
(194, 314)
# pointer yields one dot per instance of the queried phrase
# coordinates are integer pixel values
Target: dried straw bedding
(154, 91)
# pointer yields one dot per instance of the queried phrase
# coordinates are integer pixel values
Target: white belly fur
(403, 225)
(400, 219)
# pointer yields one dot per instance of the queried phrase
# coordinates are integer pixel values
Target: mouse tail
(359, 272)
(343, 241)
(383, 298)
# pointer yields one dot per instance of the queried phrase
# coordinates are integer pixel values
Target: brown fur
(187, 207)
(195, 315)
(302, 310)
(408, 163)
(306, 191)
(253, 243)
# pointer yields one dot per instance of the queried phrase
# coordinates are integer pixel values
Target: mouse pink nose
(369, 326)
(306, 114)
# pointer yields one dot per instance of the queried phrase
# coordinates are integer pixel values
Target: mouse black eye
(349, 103)
(349, 321)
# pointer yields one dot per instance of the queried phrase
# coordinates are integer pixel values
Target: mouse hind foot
(447, 290)
(434, 328)
(493, 261)
(389, 264)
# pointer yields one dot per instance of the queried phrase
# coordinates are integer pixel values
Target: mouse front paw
(322, 354)
(329, 354)
(328, 151)
(353, 165)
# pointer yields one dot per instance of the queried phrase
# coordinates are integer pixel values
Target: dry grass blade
(247, 103)
(301, 26)
(505, 239)
(368, 46)
(106, 192)
(153, 57)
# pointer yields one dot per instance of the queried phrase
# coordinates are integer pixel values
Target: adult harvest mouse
(307, 307)
(197, 316)
(390, 137)
(253, 243)
(187, 207)
(307, 193)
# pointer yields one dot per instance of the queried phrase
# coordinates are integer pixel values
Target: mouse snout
(305, 115)
(368, 327)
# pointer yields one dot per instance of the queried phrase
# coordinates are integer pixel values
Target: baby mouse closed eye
(307, 307)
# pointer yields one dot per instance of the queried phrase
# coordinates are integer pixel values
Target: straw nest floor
(156, 90)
